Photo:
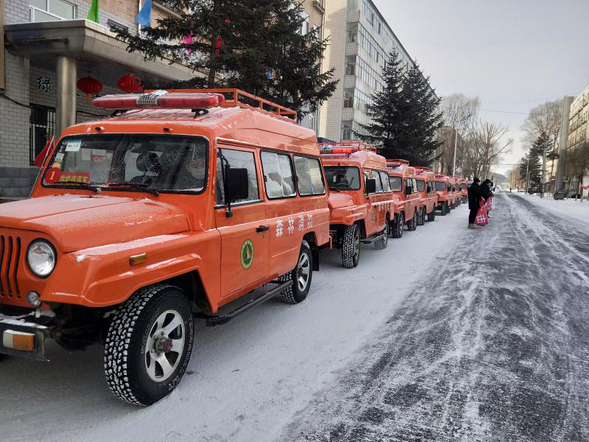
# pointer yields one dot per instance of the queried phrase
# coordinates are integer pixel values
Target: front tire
(301, 277)
(412, 223)
(398, 225)
(351, 246)
(383, 242)
(148, 345)
(432, 215)
(444, 209)
(421, 217)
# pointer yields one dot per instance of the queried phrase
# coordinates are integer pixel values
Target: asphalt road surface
(494, 346)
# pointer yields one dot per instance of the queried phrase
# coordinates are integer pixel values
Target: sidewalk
(574, 208)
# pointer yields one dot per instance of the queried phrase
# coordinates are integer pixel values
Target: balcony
(319, 4)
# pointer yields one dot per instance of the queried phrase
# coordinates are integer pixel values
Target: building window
(305, 26)
(42, 127)
(51, 10)
(347, 132)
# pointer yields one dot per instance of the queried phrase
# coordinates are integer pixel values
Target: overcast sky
(512, 54)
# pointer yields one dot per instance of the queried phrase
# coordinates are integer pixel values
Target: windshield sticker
(74, 177)
(53, 175)
(73, 145)
(247, 254)
(59, 157)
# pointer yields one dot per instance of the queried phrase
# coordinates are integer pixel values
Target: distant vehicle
(407, 197)
(360, 198)
(426, 186)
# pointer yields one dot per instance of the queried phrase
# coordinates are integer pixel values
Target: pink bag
(481, 218)
(489, 204)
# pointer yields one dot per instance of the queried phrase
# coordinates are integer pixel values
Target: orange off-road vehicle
(360, 198)
(463, 184)
(446, 197)
(456, 193)
(407, 199)
(426, 188)
(179, 205)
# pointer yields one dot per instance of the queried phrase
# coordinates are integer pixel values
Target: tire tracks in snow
(493, 347)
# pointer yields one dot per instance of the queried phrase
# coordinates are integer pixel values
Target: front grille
(10, 251)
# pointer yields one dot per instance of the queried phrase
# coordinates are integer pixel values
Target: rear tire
(351, 246)
(148, 345)
(444, 209)
(398, 224)
(301, 275)
(382, 243)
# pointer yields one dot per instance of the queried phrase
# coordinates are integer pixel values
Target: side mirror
(370, 185)
(237, 184)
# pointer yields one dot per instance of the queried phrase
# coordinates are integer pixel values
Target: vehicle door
(283, 209)
(372, 222)
(243, 224)
(410, 202)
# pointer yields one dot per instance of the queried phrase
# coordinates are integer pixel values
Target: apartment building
(314, 16)
(48, 46)
(360, 41)
(577, 151)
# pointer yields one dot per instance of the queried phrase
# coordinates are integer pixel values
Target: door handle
(261, 229)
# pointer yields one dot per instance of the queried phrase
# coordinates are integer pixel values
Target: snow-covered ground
(493, 347)
(248, 380)
(574, 208)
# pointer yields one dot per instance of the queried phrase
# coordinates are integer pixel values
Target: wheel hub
(162, 344)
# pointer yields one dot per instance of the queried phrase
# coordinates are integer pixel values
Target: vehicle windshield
(440, 185)
(420, 185)
(342, 177)
(396, 183)
(163, 163)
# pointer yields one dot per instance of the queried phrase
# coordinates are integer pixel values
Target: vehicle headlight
(41, 258)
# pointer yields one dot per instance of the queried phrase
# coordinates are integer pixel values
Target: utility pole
(527, 175)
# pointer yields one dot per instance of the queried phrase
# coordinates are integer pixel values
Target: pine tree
(542, 143)
(423, 119)
(386, 112)
(255, 45)
(404, 116)
(534, 168)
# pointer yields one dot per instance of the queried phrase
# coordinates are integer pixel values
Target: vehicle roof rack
(345, 148)
(236, 97)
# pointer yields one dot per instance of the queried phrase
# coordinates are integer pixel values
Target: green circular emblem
(247, 254)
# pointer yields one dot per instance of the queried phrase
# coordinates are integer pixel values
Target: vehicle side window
(421, 186)
(241, 160)
(386, 185)
(366, 177)
(309, 176)
(376, 176)
(278, 175)
(409, 185)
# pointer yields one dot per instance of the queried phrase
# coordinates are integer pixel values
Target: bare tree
(484, 147)
(577, 166)
(545, 118)
(460, 113)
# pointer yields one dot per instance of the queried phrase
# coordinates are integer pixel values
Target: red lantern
(90, 86)
(130, 84)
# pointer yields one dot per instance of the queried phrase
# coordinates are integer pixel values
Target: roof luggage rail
(237, 97)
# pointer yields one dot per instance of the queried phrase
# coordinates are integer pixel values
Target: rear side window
(386, 185)
(420, 185)
(396, 183)
(309, 176)
(241, 160)
(440, 185)
(278, 175)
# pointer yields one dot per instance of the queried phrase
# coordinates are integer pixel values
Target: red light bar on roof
(420, 169)
(397, 163)
(345, 148)
(159, 99)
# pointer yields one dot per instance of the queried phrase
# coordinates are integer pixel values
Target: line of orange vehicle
(184, 204)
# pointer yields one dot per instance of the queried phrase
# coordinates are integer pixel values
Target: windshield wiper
(137, 186)
(80, 185)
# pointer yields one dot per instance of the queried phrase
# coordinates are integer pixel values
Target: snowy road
(489, 351)
(423, 341)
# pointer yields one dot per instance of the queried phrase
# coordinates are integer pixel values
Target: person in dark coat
(474, 202)
(486, 189)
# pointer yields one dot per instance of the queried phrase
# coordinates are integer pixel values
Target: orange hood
(78, 222)
(338, 200)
